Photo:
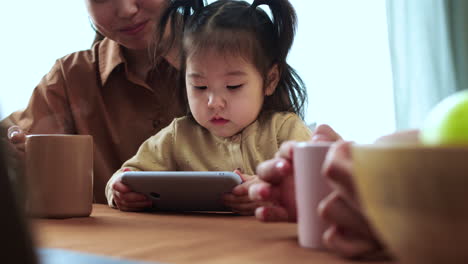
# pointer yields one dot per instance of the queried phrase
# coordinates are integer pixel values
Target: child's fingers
(131, 209)
(243, 208)
(243, 188)
(132, 197)
(230, 198)
(120, 187)
(132, 206)
(238, 172)
(275, 170)
(271, 214)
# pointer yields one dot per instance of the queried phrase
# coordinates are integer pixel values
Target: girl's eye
(200, 87)
(233, 87)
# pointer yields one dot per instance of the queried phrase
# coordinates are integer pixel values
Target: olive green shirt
(184, 145)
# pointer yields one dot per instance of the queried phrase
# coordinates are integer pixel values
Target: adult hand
(127, 200)
(277, 182)
(17, 136)
(349, 234)
(238, 200)
(16, 147)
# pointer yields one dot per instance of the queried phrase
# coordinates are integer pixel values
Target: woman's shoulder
(87, 65)
(82, 57)
(87, 60)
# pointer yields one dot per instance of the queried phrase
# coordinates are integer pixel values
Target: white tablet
(183, 190)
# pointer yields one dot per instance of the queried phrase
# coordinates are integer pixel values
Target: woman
(111, 91)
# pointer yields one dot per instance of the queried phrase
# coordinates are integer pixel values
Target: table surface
(179, 238)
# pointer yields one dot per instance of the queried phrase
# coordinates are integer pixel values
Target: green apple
(447, 123)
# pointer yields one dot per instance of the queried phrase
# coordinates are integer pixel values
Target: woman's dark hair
(240, 28)
(97, 37)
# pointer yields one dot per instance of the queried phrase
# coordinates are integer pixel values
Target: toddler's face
(225, 92)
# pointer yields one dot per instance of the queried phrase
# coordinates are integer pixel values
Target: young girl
(244, 98)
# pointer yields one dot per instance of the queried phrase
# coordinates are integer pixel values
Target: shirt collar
(110, 56)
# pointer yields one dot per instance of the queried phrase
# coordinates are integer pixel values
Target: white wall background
(34, 35)
(341, 52)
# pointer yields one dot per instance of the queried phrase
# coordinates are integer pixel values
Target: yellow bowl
(416, 197)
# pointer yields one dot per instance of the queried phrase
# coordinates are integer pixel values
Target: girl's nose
(216, 101)
(127, 8)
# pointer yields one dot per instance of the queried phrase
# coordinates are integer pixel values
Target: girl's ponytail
(284, 22)
(290, 84)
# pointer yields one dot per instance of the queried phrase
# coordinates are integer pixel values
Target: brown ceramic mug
(59, 173)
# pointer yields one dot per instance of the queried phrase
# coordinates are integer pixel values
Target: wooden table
(179, 238)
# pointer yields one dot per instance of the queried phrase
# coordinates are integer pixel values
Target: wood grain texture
(179, 238)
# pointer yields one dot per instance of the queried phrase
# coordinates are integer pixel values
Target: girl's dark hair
(240, 28)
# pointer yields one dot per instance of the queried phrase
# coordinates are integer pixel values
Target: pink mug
(311, 188)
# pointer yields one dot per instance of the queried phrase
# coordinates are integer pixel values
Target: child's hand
(127, 200)
(238, 200)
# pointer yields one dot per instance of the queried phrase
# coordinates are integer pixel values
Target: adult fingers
(260, 192)
(243, 188)
(338, 168)
(264, 192)
(286, 150)
(348, 246)
(406, 136)
(335, 210)
(272, 214)
(325, 133)
(274, 170)
(16, 135)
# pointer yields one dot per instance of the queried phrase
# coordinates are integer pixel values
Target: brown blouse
(92, 92)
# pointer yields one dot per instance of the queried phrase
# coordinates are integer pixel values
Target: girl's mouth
(219, 121)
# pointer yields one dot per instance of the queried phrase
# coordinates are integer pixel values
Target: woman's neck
(138, 62)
